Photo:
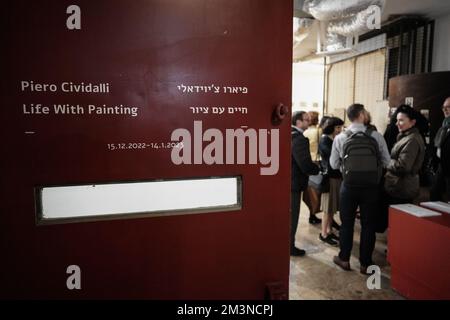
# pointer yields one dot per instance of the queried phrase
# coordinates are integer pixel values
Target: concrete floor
(315, 276)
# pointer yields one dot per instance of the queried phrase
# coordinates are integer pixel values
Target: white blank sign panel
(139, 197)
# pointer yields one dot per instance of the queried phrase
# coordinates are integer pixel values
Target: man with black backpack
(360, 153)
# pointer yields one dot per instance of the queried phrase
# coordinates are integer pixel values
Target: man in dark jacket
(302, 167)
(441, 188)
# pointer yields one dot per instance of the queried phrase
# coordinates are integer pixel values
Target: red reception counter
(419, 252)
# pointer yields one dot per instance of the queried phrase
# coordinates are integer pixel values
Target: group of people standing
(360, 173)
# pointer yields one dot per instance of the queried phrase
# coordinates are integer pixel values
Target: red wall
(143, 49)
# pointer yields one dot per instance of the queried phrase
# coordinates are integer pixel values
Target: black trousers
(367, 200)
(295, 213)
(440, 190)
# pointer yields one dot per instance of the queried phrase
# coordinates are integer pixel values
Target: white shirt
(298, 129)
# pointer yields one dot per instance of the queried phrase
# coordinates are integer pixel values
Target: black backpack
(361, 165)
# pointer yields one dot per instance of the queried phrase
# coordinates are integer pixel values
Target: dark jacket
(445, 151)
(407, 155)
(390, 135)
(302, 165)
(325, 146)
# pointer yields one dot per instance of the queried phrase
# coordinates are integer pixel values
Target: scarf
(441, 132)
(446, 122)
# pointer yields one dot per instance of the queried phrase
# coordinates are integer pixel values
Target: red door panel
(145, 51)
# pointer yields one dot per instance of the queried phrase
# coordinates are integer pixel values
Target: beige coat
(313, 134)
(407, 155)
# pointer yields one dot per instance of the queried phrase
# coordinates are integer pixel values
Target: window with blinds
(358, 80)
(340, 87)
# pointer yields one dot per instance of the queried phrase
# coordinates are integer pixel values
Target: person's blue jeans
(367, 200)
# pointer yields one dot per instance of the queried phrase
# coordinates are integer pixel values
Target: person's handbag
(315, 181)
(320, 181)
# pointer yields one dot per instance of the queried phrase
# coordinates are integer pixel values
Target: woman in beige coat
(402, 176)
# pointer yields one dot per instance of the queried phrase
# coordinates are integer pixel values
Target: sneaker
(314, 220)
(328, 240)
(343, 264)
(296, 252)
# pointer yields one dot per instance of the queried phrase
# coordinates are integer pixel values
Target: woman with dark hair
(391, 133)
(427, 170)
(330, 195)
(402, 181)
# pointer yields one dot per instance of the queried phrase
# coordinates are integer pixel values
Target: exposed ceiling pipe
(344, 19)
(301, 28)
(358, 23)
(329, 10)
